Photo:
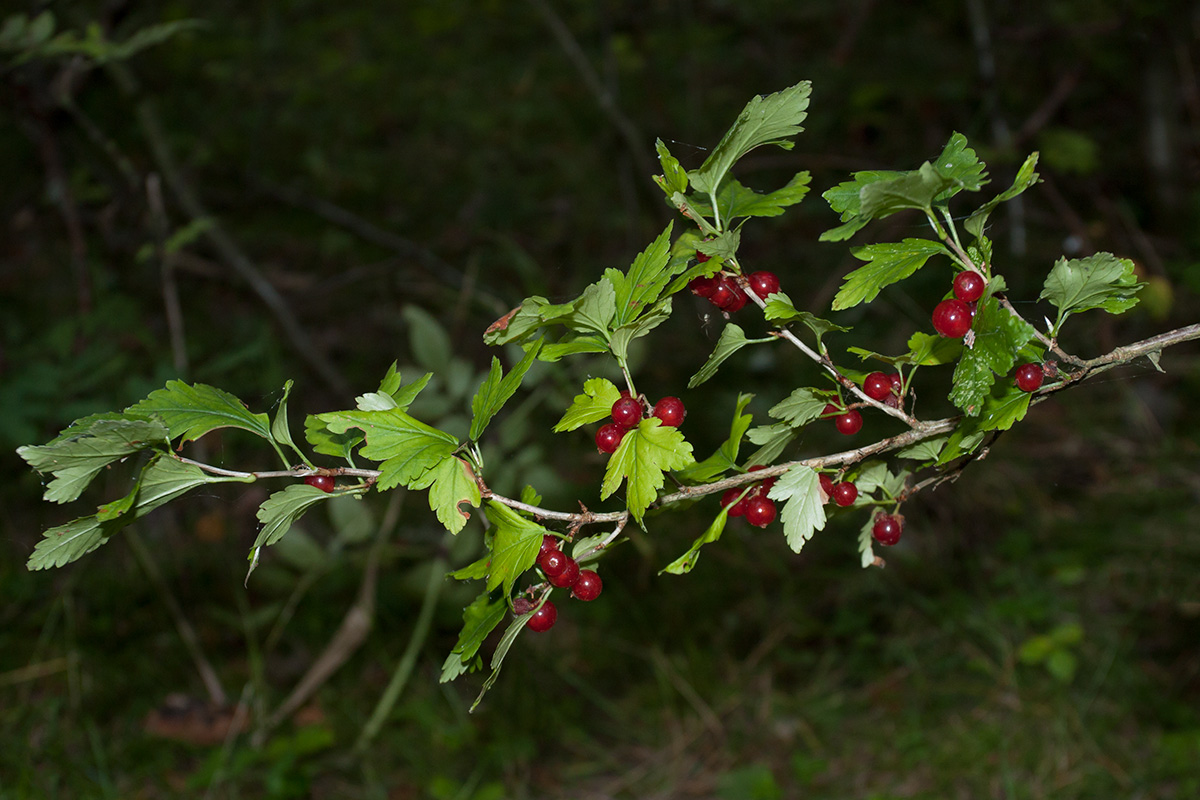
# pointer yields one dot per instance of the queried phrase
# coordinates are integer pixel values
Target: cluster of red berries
(844, 493)
(322, 482)
(952, 318)
(848, 422)
(884, 388)
(755, 506)
(563, 572)
(628, 411)
(887, 529)
(724, 291)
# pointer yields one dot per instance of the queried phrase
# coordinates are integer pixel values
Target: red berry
(721, 295)
(849, 423)
(548, 543)
(522, 606)
(887, 529)
(322, 482)
(567, 577)
(844, 493)
(738, 507)
(553, 562)
(702, 257)
(766, 485)
(827, 486)
(627, 412)
(736, 298)
(703, 287)
(760, 511)
(897, 382)
(543, 619)
(588, 587)
(969, 286)
(609, 437)
(1029, 377)
(671, 411)
(952, 318)
(877, 386)
(763, 283)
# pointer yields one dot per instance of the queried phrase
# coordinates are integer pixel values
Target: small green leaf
(498, 388)
(451, 483)
(927, 450)
(506, 641)
(406, 446)
(594, 404)
(674, 177)
(927, 350)
(732, 339)
(658, 313)
(736, 200)
(67, 543)
(914, 190)
(326, 442)
(515, 545)
(800, 407)
(888, 263)
(685, 563)
(644, 455)
(1098, 281)
(280, 430)
(803, 512)
(779, 308)
(1026, 177)
(723, 246)
(646, 278)
(479, 619)
(866, 542)
(593, 312)
(92, 446)
(772, 440)
(846, 200)
(192, 411)
(476, 570)
(726, 456)
(572, 344)
(279, 511)
(960, 164)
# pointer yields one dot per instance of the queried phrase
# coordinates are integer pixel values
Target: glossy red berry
(734, 300)
(609, 437)
(844, 493)
(849, 423)
(567, 577)
(322, 482)
(730, 500)
(887, 529)
(760, 511)
(897, 382)
(952, 318)
(543, 619)
(548, 543)
(1029, 377)
(671, 411)
(763, 283)
(826, 485)
(627, 412)
(588, 586)
(969, 286)
(553, 562)
(703, 287)
(877, 386)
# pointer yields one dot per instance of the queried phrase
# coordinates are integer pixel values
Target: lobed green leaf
(405, 446)
(515, 545)
(732, 339)
(594, 404)
(888, 263)
(645, 453)
(498, 389)
(803, 512)
(91, 446)
(451, 483)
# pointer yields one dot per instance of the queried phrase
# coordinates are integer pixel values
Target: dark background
(1033, 636)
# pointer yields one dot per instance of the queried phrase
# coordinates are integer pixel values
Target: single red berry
(671, 411)
(738, 507)
(826, 486)
(760, 511)
(548, 543)
(736, 298)
(609, 437)
(844, 493)
(887, 529)
(952, 318)
(543, 619)
(567, 577)
(703, 287)
(553, 562)
(322, 482)
(1029, 377)
(849, 423)
(877, 386)
(627, 412)
(897, 382)
(702, 257)
(763, 283)
(588, 587)
(969, 286)
(892, 401)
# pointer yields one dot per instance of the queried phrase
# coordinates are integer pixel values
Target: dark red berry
(827, 486)
(671, 411)
(554, 562)
(736, 298)
(969, 286)
(702, 257)
(887, 529)
(952, 318)
(322, 482)
(721, 296)
(703, 287)
(522, 606)
(588, 586)
(763, 283)
(760, 511)
(849, 423)
(738, 507)
(844, 493)
(543, 619)
(627, 412)
(548, 543)
(897, 382)
(567, 577)
(877, 386)
(1029, 377)
(609, 437)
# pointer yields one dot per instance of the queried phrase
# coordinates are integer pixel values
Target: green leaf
(326, 442)
(927, 450)
(888, 263)
(593, 405)
(515, 545)
(573, 344)
(1026, 177)
(960, 164)
(451, 483)
(280, 430)
(474, 571)
(866, 541)
(732, 339)
(674, 177)
(67, 543)
(645, 280)
(846, 200)
(92, 446)
(764, 120)
(998, 335)
(726, 456)
(685, 563)
(803, 512)
(913, 190)
(645, 453)
(800, 407)
(659, 313)
(593, 312)
(772, 440)
(427, 339)
(736, 200)
(498, 389)
(192, 411)
(166, 478)
(480, 618)
(926, 350)
(279, 511)
(723, 246)
(1002, 408)
(1098, 281)
(506, 641)
(405, 446)
(779, 308)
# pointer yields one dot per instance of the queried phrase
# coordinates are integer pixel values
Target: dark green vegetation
(1034, 634)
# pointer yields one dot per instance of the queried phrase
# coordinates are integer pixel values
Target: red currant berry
(826, 486)
(627, 412)
(567, 577)
(322, 482)
(737, 298)
(588, 587)
(887, 529)
(671, 411)
(849, 423)
(553, 562)
(897, 382)
(1029, 377)
(548, 543)
(969, 286)
(844, 493)
(738, 507)
(703, 287)
(721, 296)
(609, 437)
(543, 619)
(702, 257)
(952, 318)
(760, 511)
(763, 283)
(877, 386)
